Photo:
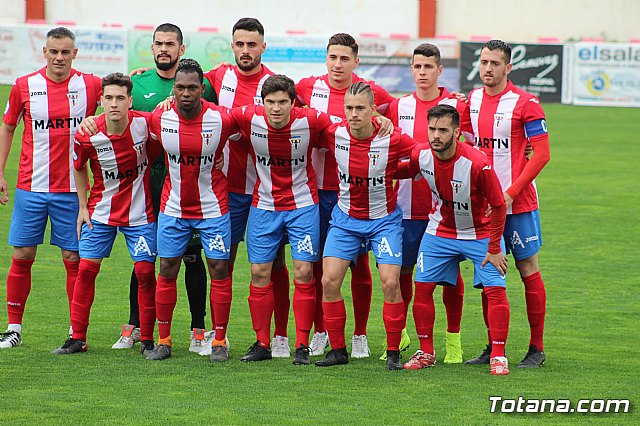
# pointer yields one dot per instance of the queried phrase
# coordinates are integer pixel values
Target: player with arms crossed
(326, 94)
(504, 120)
(120, 200)
(366, 211)
(463, 183)
(414, 196)
(52, 101)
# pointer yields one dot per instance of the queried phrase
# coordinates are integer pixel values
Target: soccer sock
(536, 298)
(304, 305)
(261, 308)
(318, 318)
(406, 289)
(453, 299)
(83, 295)
(498, 318)
(18, 288)
(394, 321)
(485, 314)
(361, 289)
(335, 319)
(424, 315)
(220, 298)
(146, 276)
(72, 275)
(281, 300)
(195, 280)
(166, 298)
(134, 308)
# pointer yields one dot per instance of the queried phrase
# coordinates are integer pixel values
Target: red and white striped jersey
(410, 114)
(120, 195)
(236, 90)
(499, 126)
(317, 93)
(193, 188)
(461, 187)
(366, 169)
(286, 178)
(52, 112)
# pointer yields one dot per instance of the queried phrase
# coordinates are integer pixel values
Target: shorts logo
(73, 98)
(207, 136)
(516, 240)
(306, 245)
(498, 118)
(217, 243)
(295, 142)
(384, 247)
(374, 157)
(456, 185)
(141, 246)
(420, 262)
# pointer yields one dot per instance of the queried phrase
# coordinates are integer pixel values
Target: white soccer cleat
(208, 341)
(198, 340)
(129, 336)
(359, 346)
(10, 339)
(280, 347)
(319, 343)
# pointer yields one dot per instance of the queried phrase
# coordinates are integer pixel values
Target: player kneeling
(119, 200)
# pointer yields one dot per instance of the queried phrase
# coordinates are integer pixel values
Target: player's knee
(303, 272)
(25, 253)
(391, 290)
(169, 266)
(260, 274)
(528, 266)
(70, 256)
(218, 269)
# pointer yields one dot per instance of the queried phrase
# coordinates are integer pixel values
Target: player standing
(504, 119)
(120, 200)
(52, 101)
(463, 184)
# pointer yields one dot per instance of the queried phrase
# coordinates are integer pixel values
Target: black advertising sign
(537, 68)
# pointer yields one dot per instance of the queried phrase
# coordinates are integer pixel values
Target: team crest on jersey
(374, 157)
(456, 185)
(295, 142)
(498, 118)
(207, 136)
(73, 97)
(257, 100)
(139, 147)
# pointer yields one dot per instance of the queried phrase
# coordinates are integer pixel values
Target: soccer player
(366, 211)
(414, 196)
(326, 93)
(52, 101)
(237, 86)
(462, 182)
(120, 200)
(194, 197)
(149, 89)
(504, 120)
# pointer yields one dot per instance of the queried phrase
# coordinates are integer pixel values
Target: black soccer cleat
(334, 357)
(393, 360)
(71, 346)
(146, 347)
(483, 358)
(256, 353)
(301, 356)
(534, 358)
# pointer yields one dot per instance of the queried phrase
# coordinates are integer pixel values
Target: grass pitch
(589, 210)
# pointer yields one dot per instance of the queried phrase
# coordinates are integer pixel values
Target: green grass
(590, 210)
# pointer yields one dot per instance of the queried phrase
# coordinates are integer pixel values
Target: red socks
(220, 298)
(72, 275)
(394, 321)
(281, 301)
(18, 288)
(361, 293)
(261, 308)
(536, 298)
(335, 318)
(406, 289)
(498, 313)
(318, 318)
(485, 314)
(453, 299)
(304, 305)
(146, 275)
(166, 298)
(424, 315)
(82, 299)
